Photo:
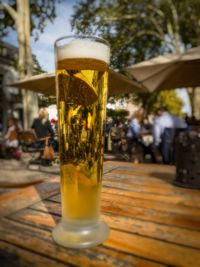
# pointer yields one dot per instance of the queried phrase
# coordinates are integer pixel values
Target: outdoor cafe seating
(27, 139)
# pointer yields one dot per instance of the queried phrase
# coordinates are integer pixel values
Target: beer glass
(81, 84)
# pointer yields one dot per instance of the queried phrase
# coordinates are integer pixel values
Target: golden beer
(82, 94)
(81, 100)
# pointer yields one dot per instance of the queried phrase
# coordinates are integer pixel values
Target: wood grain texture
(43, 219)
(152, 222)
(169, 254)
(147, 210)
(11, 255)
(21, 198)
(130, 242)
(40, 241)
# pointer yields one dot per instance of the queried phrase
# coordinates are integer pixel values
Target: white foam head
(84, 48)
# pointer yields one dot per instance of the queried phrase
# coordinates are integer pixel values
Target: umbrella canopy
(169, 72)
(45, 84)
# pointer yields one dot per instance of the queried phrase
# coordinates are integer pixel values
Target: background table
(152, 222)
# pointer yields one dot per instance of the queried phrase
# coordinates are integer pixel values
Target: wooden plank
(149, 185)
(13, 201)
(176, 235)
(56, 198)
(40, 241)
(164, 176)
(141, 177)
(120, 206)
(37, 218)
(189, 198)
(31, 194)
(162, 217)
(3, 191)
(121, 165)
(143, 227)
(147, 180)
(182, 199)
(152, 204)
(147, 189)
(181, 212)
(167, 253)
(154, 230)
(11, 255)
(109, 166)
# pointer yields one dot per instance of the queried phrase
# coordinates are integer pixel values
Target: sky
(43, 48)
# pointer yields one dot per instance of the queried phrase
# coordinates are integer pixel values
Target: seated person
(134, 134)
(116, 134)
(11, 138)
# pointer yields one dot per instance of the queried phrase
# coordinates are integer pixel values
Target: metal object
(188, 160)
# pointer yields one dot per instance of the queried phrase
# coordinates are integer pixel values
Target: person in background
(42, 128)
(116, 134)
(164, 132)
(135, 126)
(54, 125)
(136, 148)
(11, 139)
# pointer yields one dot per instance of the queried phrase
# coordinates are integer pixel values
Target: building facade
(10, 98)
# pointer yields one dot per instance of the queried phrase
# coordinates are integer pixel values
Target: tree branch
(11, 11)
(174, 15)
(153, 33)
(125, 17)
(176, 35)
(157, 26)
(156, 10)
(161, 33)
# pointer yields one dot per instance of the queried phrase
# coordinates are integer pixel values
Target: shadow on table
(49, 206)
(165, 177)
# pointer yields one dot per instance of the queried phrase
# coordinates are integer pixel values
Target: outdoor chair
(27, 140)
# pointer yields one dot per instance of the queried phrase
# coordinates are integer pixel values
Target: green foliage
(138, 30)
(37, 69)
(118, 114)
(45, 101)
(41, 11)
(168, 99)
(188, 20)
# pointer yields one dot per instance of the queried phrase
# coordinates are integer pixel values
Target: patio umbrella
(45, 84)
(169, 71)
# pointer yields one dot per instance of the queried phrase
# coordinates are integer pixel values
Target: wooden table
(152, 222)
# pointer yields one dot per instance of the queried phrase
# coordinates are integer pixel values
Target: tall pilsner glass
(81, 84)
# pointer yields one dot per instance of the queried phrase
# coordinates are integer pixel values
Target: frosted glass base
(80, 236)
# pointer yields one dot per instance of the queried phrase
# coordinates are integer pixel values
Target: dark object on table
(188, 160)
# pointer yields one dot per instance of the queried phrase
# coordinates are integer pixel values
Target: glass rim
(82, 36)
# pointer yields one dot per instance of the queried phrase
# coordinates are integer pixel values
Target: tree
(138, 30)
(37, 69)
(16, 15)
(118, 114)
(168, 99)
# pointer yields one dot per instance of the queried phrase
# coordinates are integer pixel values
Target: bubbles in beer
(82, 97)
(80, 90)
